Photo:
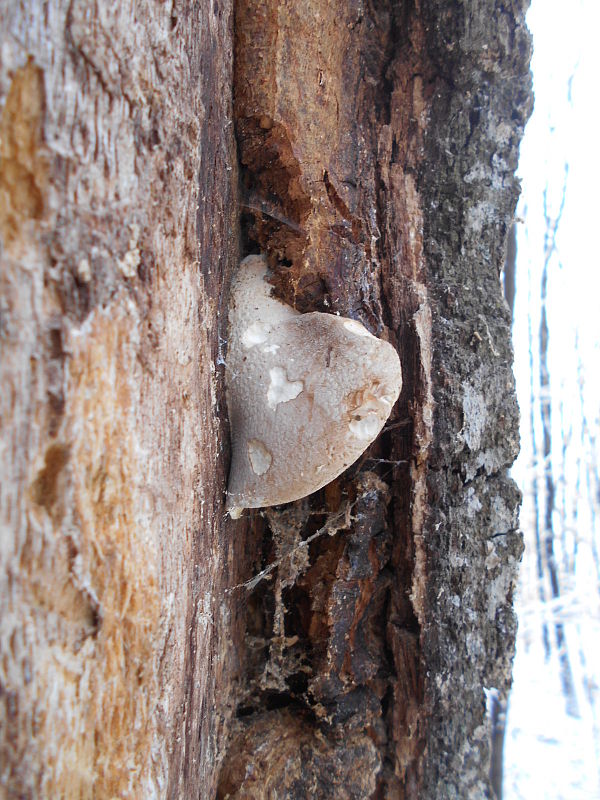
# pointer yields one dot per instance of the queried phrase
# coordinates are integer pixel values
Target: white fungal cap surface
(307, 394)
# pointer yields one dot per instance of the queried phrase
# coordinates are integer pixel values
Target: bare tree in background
(545, 407)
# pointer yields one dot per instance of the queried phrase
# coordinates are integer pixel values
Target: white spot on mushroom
(281, 390)
(368, 401)
(365, 427)
(355, 327)
(259, 456)
(255, 334)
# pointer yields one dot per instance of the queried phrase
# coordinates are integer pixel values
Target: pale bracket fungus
(307, 394)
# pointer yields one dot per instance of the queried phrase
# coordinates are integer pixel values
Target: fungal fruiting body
(307, 394)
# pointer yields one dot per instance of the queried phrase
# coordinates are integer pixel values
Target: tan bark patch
(23, 164)
(117, 560)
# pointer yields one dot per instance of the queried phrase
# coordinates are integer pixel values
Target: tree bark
(369, 149)
(119, 213)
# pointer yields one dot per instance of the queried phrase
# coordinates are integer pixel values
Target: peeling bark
(377, 146)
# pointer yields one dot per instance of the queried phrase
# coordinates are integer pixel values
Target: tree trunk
(143, 655)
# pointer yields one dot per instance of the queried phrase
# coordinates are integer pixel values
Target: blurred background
(552, 742)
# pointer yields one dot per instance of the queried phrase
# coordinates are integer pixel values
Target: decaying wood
(388, 140)
(377, 145)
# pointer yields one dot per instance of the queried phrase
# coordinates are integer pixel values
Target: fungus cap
(307, 394)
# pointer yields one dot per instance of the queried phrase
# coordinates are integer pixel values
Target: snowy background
(552, 747)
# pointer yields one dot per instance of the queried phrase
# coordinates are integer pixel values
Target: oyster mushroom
(307, 394)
